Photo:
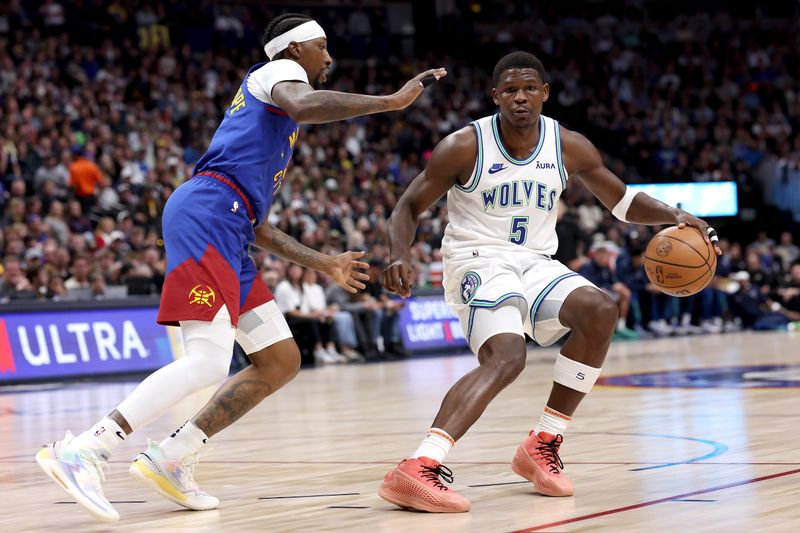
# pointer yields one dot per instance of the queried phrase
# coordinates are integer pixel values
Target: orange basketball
(679, 262)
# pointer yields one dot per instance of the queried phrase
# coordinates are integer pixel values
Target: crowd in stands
(107, 105)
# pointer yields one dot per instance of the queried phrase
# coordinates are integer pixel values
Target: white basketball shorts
(535, 284)
(262, 326)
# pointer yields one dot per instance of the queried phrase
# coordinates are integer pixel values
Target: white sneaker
(351, 354)
(711, 326)
(80, 473)
(336, 356)
(173, 479)
(659, 327)
(732, 326)
(322, 357)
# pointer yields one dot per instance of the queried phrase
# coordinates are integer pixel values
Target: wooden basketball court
(696, 450)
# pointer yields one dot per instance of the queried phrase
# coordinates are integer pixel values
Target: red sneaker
(415, 484)
(537, 461)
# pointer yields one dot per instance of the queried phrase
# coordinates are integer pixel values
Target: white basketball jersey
(507, 202)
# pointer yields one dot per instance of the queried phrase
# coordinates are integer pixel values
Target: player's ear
(546, 91)
(293, 51)
(494, 96)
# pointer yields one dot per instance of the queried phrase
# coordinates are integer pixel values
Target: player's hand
(399, 277)
(345, 270)
(414, 87)
(710, 234)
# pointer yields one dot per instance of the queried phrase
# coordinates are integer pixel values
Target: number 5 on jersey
(519, 230)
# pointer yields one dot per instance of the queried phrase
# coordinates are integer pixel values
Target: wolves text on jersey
(519, 194)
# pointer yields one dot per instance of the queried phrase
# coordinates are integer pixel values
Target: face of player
(316, 60)
(520, 94)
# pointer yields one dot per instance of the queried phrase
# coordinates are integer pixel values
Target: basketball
(679, 261)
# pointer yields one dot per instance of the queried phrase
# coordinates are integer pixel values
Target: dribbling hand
(710, 234)
(414, 87)
(399, 277)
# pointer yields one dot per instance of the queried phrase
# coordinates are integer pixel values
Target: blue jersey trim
(561, 170)
(542, 295)
(499, 142)
(476, 176)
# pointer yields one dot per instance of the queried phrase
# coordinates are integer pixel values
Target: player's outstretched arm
(345, 269)
(307, 106)
(583, 160)
(452, 159)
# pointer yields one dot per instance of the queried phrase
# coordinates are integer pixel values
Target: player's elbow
(303, 110)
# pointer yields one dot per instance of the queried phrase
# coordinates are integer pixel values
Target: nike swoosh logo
(120, 435)
(495, 169)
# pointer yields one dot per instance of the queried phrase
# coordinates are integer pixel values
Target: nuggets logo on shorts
(469, 285)
(202, 296)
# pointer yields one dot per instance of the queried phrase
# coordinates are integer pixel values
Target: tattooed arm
(271, 239)
(344, 269)
(308, 106)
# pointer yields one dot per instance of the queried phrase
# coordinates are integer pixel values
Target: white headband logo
(300, 34)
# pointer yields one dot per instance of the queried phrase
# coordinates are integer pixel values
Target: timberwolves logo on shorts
(469, 285)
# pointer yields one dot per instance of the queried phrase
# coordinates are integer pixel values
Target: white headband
(300, 34)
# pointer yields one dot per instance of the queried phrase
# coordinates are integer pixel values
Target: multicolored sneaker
(173, 479)
(415, 484)
(80, 473)
(537, 461)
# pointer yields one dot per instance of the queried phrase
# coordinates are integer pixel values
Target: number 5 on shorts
(519, 230)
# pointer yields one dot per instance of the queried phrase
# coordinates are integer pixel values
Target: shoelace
(189, 463)
(549, 450)
(99, 467)
(432, 474)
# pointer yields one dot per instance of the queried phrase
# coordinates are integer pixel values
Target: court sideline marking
(655, 502)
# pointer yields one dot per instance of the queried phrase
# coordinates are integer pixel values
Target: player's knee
(505, 355)
(606, 313)
(279, 362)
(208, 351)
(594, 314)
(206, 370)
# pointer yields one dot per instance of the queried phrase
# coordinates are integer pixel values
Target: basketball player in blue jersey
(212, 288)
(503, 176)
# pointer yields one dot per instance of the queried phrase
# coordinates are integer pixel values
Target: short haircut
(518, 60)
(280, 25)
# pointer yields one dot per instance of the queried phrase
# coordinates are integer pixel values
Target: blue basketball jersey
(252, 147)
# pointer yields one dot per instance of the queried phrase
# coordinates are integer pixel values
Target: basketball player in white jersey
(503, 176)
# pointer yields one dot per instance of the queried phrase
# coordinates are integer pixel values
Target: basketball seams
(692, 282)
(695, 280)
(705, 259)
(674, 264)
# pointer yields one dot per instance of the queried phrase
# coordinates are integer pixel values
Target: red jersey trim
(276, 110)
(232, 185)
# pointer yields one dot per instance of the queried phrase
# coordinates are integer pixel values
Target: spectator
(81, 268)
(14, 285)
(84, 176)
(343, 324)
(598, 270)
(787, 251)
(386, 328)
(97, 284)
(305, 323)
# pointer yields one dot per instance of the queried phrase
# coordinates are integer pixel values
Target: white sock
(552, 422)
(436, 445)
(621, 324)
(103, 436)
(187, 439)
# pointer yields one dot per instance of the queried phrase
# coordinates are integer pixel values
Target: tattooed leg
(272, 368)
